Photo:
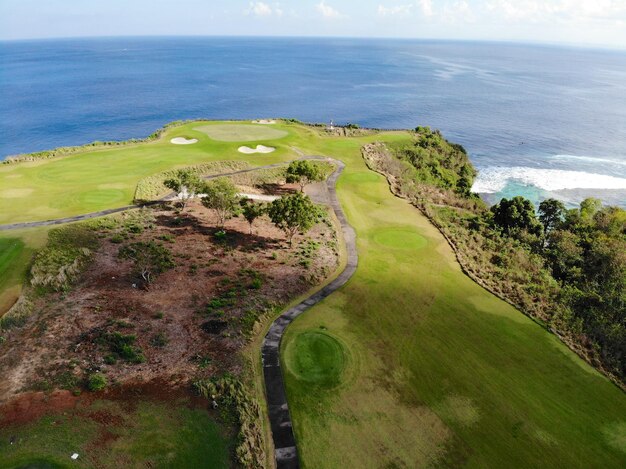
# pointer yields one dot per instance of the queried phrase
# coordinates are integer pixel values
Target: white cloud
(259, 9)
(397, 10)
(327, 11)
(558, 10)
(426, 7)
(456, 12)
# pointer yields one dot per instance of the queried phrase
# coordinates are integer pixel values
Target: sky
(583, 22)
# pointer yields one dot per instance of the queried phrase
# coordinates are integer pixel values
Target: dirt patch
(191, 322)
(32, 405)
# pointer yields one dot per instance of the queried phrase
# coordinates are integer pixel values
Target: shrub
(159, 340)
(150, 258)
(97, 382)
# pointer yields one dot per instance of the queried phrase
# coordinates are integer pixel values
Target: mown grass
(442, 373)
(241, 132)
(100, 178)
(148, 434)
(16, 251)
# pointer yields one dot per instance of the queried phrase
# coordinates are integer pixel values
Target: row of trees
(187, 184)
(292, 213)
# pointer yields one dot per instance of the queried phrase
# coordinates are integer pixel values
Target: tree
(303, 172)
(588, 208)
(150, 258)
(293, 213)
(516, 215)
(222, 197)
(551, 214)
(185, 183)
(252, 210)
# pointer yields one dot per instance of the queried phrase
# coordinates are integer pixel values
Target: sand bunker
(183, 141)
(264, 121)
(258, 149)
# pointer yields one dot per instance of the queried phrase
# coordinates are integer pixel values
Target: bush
(159, 340)
(97, 382)
(68, 251)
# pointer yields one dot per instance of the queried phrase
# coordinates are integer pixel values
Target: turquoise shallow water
(536, 120)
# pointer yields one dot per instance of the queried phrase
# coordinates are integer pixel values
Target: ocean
(538, 121)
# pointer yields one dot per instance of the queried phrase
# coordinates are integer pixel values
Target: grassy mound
(316, 358)
(241, 132)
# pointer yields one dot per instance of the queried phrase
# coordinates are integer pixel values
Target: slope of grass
(443, 373)
(112, 434)
(16, 250)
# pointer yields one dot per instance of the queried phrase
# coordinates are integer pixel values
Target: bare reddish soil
(249, 276)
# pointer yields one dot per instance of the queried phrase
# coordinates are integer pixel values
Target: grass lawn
(439, 371)
(117, 434)
(98, 179)
(241, 132)
(16, 250)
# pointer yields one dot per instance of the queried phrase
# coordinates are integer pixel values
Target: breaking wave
(495, 179)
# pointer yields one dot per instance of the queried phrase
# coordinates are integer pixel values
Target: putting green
(241, 132)
(399, 239)
(316, 358)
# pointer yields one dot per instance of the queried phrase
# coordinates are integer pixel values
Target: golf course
(410, 364)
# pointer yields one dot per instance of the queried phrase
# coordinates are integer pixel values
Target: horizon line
(575, 45)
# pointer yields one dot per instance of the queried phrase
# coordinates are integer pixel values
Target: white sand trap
(264, 121)
(258, 149)
(183, 141)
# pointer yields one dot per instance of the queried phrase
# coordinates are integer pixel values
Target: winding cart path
(285, 452)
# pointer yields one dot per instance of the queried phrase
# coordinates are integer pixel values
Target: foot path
(285, 452)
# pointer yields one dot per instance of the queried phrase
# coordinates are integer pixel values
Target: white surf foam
(590, 159)
(491, 180)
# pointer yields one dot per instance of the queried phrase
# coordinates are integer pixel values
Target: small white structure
(74, 456)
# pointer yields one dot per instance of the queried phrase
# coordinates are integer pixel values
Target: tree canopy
(551, 214)
(303, 172)
(221, 196)
(185, 183)
(513, 216)
(252, 210)
(293, 213)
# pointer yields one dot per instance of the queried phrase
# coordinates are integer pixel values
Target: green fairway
(241, 132)
(112, 434)
(98, 178)
(443, 373)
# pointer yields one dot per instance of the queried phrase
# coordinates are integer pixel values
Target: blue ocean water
(536, 120)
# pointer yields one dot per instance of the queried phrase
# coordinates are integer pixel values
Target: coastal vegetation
(411, 363)
(566, 268)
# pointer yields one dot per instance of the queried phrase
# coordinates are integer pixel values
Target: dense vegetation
(566, 268)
